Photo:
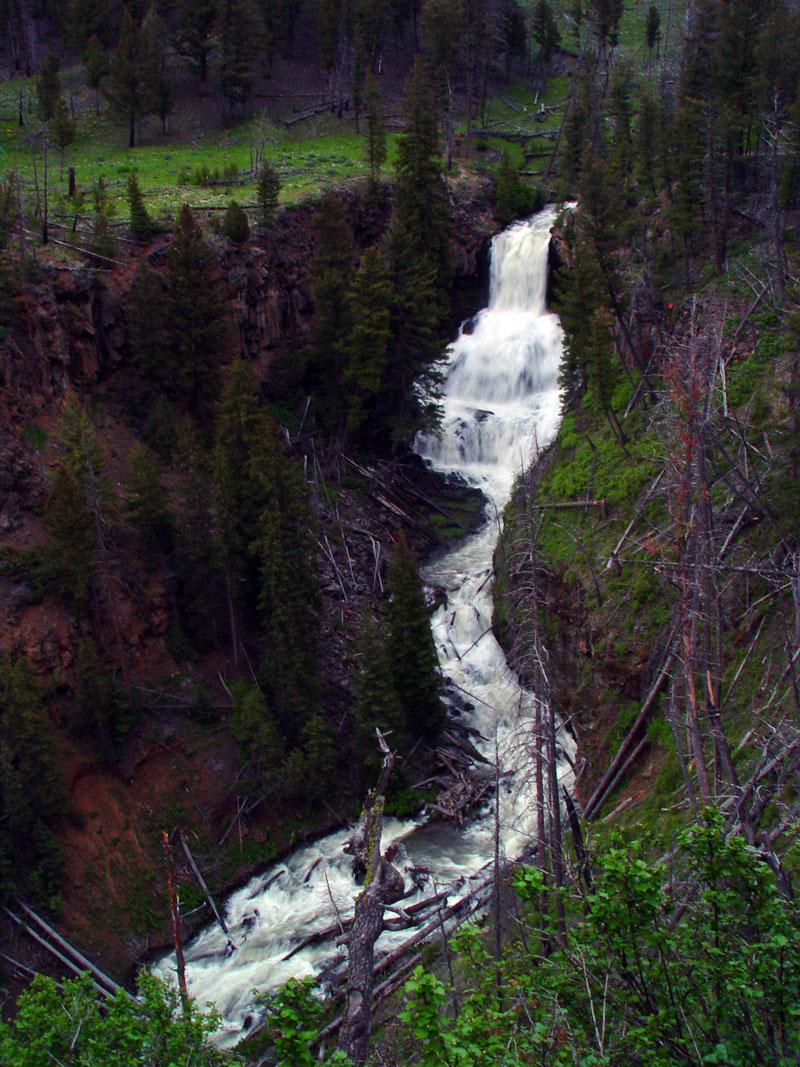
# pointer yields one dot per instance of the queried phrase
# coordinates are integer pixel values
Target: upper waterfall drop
(501, 399)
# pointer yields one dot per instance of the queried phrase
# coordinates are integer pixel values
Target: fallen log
(603, 786)
(86, 964)
(54, 952)
(202, 884)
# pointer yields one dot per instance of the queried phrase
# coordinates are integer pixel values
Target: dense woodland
(655, 921)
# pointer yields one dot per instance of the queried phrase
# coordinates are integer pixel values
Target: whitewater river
(500, 403)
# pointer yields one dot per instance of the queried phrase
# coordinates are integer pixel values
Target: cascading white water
(500, 403)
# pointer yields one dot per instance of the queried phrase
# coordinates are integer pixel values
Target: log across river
(500, 402)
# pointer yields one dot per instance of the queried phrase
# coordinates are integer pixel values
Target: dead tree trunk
(383, 885)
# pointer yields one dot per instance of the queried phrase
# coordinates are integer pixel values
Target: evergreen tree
(141, 223)
(200, 576)
(48, 87)
(267, 192)
(235, 224)
(368, 344)
(621, 114)
(90, 18)
(545, 30)
(513, 199)
(154, 33)
(101, 241)
(376, 129)
(97, 67)
(196, 328)
(62, 126)
(375, 699)
(415, 668)
(238, 32)
(288, 590)
(238, 491)
(131, 76)
(146, 504)
(32, 793)
(419, 242)
(194, 37)
(652, 28)
(69, 554)
(260, 746)
(330, 279)
(147, 316)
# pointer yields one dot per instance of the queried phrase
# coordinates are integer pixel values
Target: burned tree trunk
(383, 885)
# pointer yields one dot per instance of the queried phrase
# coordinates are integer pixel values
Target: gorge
(501, 402)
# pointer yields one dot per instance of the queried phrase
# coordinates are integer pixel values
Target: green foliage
(410, 647)
(238, 36)
(330, 280)
(195, 327)
(545, 30)
(376, 129)
(48, 87)
(375, 699)
(294, 1018)
(97, 67)
(62, 127)
(260, 746)
(697, 971)
(66, 1023)
(141, 223)
(513, 199)
(146, 506)
(32, 793)
(235, 224)
(131, 77)
(367, 345)
(285, 547)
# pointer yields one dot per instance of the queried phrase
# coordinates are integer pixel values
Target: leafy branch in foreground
(693, 960)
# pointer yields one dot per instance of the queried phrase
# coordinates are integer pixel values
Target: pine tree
(62, 126)
(545, 30)
(267, 192)
(90, 18)
(194, 37)
(97, 67)
(141, 223)
(238, 32)
(197, 332)
(288, 590)
(260, 745)
(147, 317)
(331, 272)
(69, 554)
(376, 129)
(146, 505)
(235, 224)
(415, 668)
(200, 576)
(368, 344)
(652, 28)
(154, 34)
(238, 491)
(48, 87)
(375, 699)
(32, 792)
(419, 243)
(131, 77)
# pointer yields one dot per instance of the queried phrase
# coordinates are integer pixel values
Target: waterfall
(500, 403)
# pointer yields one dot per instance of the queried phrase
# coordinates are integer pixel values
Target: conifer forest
(399, 533)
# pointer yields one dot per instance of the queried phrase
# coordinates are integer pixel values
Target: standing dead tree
(383, 885)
